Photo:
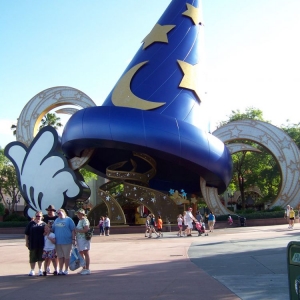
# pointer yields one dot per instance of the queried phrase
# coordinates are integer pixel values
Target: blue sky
(252, 52)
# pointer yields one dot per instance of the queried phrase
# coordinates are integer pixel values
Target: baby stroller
(201, 228)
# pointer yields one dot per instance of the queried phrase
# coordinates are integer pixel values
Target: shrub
(254, 215)
(245, 211)
(15, 218)
(276, 208)
(13, 224)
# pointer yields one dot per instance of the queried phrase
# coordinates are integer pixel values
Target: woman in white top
(83, 244)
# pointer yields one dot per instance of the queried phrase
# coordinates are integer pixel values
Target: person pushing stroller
(200, 226)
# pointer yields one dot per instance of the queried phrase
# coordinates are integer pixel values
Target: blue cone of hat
(155, 109)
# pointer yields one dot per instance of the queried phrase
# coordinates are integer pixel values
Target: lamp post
(9, 202)
(18, 201)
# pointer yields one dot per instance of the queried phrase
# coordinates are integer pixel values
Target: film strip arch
(282, 147)
(36, 108)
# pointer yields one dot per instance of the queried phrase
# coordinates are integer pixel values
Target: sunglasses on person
(38, 216)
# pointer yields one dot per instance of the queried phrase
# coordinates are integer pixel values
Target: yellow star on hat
(193, 13)
(191, 79)
(157, 34)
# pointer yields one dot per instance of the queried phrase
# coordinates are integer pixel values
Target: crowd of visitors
(186, 223)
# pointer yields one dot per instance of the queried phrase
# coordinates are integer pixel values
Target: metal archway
(279, 144)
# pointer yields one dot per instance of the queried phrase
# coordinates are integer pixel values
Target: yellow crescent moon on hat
(123, 96)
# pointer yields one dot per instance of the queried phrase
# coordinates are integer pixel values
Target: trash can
(242, 221)
(293, 261)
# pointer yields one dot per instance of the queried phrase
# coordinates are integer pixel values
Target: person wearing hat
(189, 221)
(49, 219)
(83, 244)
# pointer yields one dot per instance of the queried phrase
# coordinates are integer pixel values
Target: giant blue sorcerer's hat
(155, 109)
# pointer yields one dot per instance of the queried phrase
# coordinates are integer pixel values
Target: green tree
(256, 169)
(87, 175)
(14, 129)
(250, 113)
(51, 119)
(8, 181)
(293, 130)
(264, 173)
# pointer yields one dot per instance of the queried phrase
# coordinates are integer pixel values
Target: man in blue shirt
(64, 229)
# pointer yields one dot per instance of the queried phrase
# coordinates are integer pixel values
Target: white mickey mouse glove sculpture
(43, 173)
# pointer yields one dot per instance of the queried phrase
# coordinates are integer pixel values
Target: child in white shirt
(49, 253)
(179, 222)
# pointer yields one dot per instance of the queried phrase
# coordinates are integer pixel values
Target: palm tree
(51, 119)
(14, 129)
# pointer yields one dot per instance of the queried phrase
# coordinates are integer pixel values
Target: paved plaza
(232, 263)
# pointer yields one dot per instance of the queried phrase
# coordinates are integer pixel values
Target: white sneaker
(60, 272)
(40, 273)
(31, 273)
(85, 272)
(48, 270)
(66, 272)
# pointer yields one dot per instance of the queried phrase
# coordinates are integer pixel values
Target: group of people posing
(49, 238)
